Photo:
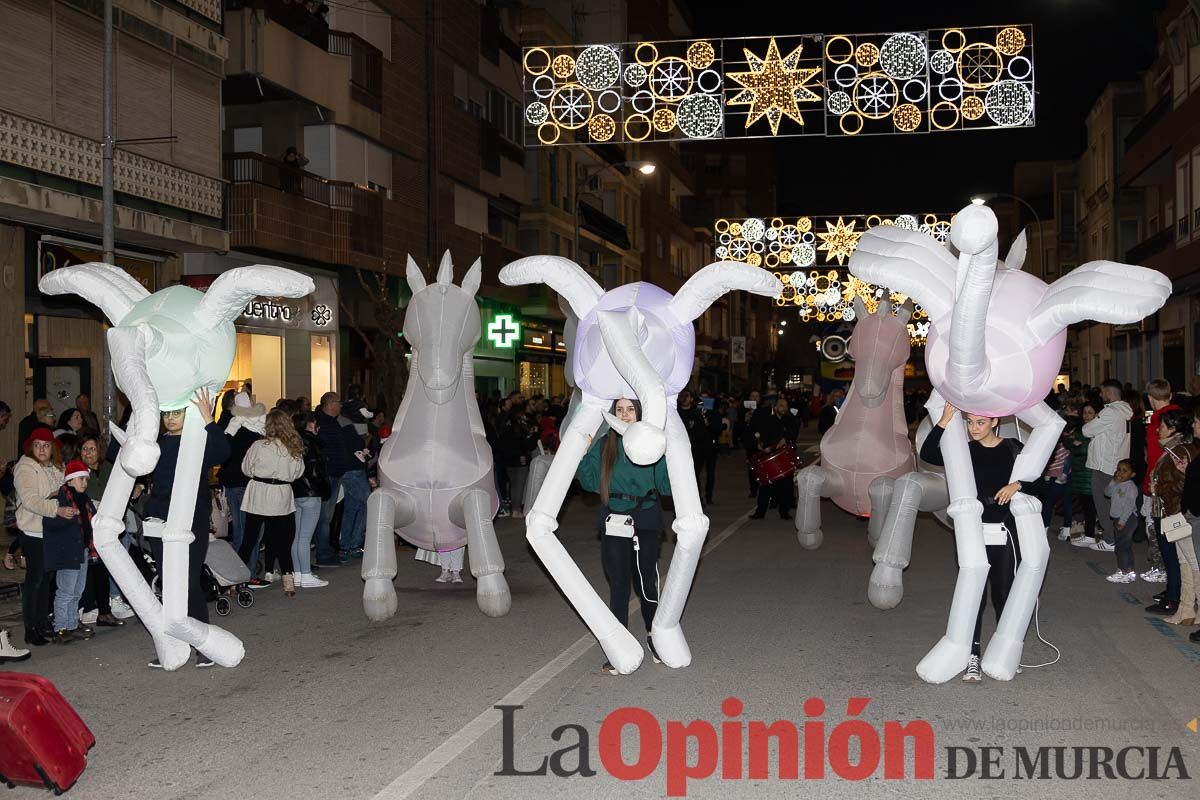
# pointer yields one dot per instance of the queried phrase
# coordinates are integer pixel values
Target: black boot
(34, 638)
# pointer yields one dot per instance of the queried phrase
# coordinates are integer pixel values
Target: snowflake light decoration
(774, 87)
(839, 240)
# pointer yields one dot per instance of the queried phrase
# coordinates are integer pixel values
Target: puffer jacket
(1109, 433)
(1166, 482)
(37, 488)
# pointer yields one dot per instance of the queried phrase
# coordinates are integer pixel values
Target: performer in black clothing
(771, 432)
(992, 459)
(703, 429)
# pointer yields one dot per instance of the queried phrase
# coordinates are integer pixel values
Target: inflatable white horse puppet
(436, 487)
(996, 342)
(165, 347)
(636, 341)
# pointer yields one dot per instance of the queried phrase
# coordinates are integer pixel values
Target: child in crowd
(1058, 489)
(1123, 493)
(65, 547)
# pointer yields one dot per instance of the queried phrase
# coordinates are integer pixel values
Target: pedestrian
(1158, 392)
(517, 440)
(36, 419)
(629, 502)
(247, 422)
(1186, 548)
(272, 464)
(1166, 493)
(91, 423)
(1109, 434)
(1057, 483)
(99, 606)
(1122, 493)
(992, 459)
(702, 433)
(830, 411)
(1081, 476)
(356, 488)
(775, 431)
(37, 479)
(158, 501)
(69, 421)
(64, 544)
(310, 490)
(337, 462)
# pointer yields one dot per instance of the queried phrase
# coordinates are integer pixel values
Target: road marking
(418, 774)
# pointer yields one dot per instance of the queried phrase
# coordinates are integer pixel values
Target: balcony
(279, 209)
(268, 60)
(1148, 121)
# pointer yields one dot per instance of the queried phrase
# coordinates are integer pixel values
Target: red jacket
(1154, 450)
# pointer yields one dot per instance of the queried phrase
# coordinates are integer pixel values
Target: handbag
(1175, 527)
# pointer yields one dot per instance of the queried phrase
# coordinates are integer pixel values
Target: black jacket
(768, 429)
(64, 541)
(315, 480)
(216, 451)
(230, 475)
(703, 428)
(517, 439)
(333, 445)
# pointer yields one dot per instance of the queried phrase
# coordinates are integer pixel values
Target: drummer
(772, 432)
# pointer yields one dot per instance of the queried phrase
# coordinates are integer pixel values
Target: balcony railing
(1150, 247)
(1147, 122)
(317, 217)
(366, 67)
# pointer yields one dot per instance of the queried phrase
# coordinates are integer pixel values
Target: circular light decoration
(601, 127)
(543, 86)
(562, 66)
(941, 61)
(753, 229)
(954, 40)
(721, 251)
(721, 225)
(950, 89)
(571, 107)
(875, 95)
(808, 237)
(804, 224)
(797, 278)
(548, 133)
(944, 116)
(866, 54)
(608, 101)
(758, 246)
(536, 113)
(902, 56)
(848, 315)
(635, 75)
(1009, 103)
(979, 65)
(906, 221)
(739, 249)
(663, 119)
(1010, 41)
(642, 101)
(914, 90)
(700, 55)
(838, 103)
(536, 61)
(708, 81)
(804, 255)
(789, 235)
(637, 127)
(845, 75)
(670, 78)
(941, 231)
(972, 107)
(772, 233)
(839, 49)
(699, 116)
(735, 228)
(646, 53)
(1019, 68)
(598, 67)
(907, 117)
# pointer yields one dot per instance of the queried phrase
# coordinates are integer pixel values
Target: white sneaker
(1151, 575)
(271, 577)
(503, 512)
(1122, 577)
(120, 609)
(444, 577)
(306, 580)
(89, 617)
(9, 652)
(1103, 547)
(1083, 541)
(973, 672)
(1064, 534)
(1161, 577)
(455, 576)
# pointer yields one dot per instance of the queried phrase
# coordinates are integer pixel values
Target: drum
(773, 466)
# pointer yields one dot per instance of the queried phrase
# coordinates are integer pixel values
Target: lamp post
(980, 199)
(582, 175)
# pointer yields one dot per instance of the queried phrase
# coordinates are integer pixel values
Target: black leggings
(617, 555)
(1089, 512)
(35, 591)
(707, 460)
(1002, 570)
(96, 590)
(278, 532)
(197, 550)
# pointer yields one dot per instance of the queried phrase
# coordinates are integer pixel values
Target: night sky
(1079, 47)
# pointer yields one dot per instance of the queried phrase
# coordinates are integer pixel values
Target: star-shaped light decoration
(840, 240)
(774, 87)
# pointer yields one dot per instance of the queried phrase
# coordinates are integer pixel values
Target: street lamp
(582, 176)
(980, 199)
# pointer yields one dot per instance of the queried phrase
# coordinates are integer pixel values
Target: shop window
(258, 359)
(321, 356)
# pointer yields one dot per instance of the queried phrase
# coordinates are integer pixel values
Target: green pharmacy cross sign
(502, 331)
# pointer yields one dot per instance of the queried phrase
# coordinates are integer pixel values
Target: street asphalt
(328, 705)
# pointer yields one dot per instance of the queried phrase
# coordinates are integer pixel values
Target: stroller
(225, 576)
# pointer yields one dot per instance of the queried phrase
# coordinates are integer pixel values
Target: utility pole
(109, 407)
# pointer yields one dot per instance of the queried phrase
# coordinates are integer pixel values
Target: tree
(386, 348)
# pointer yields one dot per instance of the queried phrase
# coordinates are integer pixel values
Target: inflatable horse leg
(487, 564)
(880, 492)
(1003, 653)
(812, 483)
(387, 510)
(910, 493)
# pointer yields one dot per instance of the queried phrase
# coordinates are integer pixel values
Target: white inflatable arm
(646, 440)
(561, 274)
(229, 293)
(1047, 426)
(139, 453)
(909, 262)
(974, 234)
(1102, 291)
(111, 289)
(712, 282)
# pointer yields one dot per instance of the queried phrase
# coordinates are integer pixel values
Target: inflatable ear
(416, 281)
(1016, 254)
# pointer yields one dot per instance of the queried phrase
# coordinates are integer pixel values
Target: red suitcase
(43, 742)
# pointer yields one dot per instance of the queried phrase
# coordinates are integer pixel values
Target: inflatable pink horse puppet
(870, 438)
(995, 346)
(635, 341)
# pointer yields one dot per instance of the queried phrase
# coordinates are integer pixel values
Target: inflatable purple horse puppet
(637, 342)
(870, 437)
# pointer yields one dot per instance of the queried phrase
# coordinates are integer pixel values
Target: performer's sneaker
(1122, 577)
(1083, 541)
(258, 583)
(973, 672)
(1064, 534)
(455, 576)
(609, 668)
(653, 652)
(203, 661)
(443, 578)
(1104, 547)
(120, 609)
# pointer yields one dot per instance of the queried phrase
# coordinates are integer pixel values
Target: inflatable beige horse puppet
(996, 342)
(165, 347)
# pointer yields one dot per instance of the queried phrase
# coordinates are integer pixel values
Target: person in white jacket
(37, 478)
(272, 464)
(1109, 434)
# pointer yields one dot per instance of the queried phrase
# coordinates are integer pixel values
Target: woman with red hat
(37, 478)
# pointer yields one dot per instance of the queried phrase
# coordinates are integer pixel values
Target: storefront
(541, 361)
(285, 347)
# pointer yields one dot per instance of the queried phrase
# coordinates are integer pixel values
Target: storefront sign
(537, 339)
(316, 312)
(54, 254)
(502, 331)
(267, 309)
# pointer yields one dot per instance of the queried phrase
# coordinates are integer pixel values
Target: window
(1066, 216)
(469, 92)
(555, 245)
(470, 209)
(248, 140)
(1182, 200)
(1129, 234)
(503, 112)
